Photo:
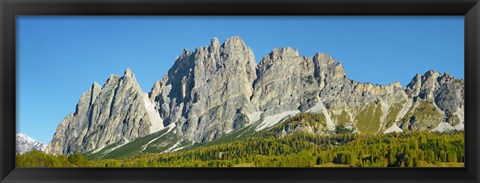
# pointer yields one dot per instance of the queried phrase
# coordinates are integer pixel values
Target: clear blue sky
(58, 58)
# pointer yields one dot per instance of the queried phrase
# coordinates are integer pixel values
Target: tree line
(409, 149)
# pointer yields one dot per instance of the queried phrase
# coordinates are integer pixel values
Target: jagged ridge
(116, 113)
(24, 144)
(219, 89)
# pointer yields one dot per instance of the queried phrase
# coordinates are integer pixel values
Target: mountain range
(219, 92)
(24, 144)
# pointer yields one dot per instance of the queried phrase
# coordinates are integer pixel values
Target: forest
(300, 149)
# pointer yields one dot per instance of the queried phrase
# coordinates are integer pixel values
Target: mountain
(114, 113)
(24, 144)
(219, 92)
(207, 92)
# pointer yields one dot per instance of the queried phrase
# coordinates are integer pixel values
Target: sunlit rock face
(207, 92)
(219, 88)
(105, 115)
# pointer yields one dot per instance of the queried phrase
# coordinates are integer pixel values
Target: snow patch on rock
(24, 144)
(460, 112)
(155, 119)
(254, 117)
(393, 128)
(384, 107)
(443, 127)
(173, 147)
(316, 108)
(269, 121)
(460, 126)
(180, 148)
(404, 110)
(98, 149)
(319, 107)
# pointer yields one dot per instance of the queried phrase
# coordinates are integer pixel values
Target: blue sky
(59, 57)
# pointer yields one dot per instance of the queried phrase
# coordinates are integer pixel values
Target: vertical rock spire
(116, 113)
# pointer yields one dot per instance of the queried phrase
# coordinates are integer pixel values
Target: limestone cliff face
(207, 91)
(438, 102)
(284, 84)
(284, 79)
(113, 114)
(446, 91)
(218, 89)
(288, 84)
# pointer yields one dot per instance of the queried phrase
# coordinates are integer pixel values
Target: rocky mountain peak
(197, 86)
(128, 73)
(87, 98)
(278, 56)
(443, 90)
(424, 85)
(214, 43)
(396, 84)
(234, 42)
(24, 144)
(129, 79)
(117, 113)
(329, 71)
(95, 85)
(413, 88)
(431, 73)
(94, 91)
(325, 58)
(446, 78)
(279, 53)
(447, 74)
(418, 76)
(112, 78)
(185, 53)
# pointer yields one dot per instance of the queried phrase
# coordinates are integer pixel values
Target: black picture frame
(9, 9)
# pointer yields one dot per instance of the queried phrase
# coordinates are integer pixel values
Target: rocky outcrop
(218, 89)
(444, 90)
(207, 92)
(286, 84)
(284, 79)
(113, 114)
(438, 101)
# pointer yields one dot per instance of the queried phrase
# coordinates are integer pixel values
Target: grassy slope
(312, 122)
(163, 143)
(135, 147)
(369, 119)
(424, 116)
(392, 113)
(237, 135)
